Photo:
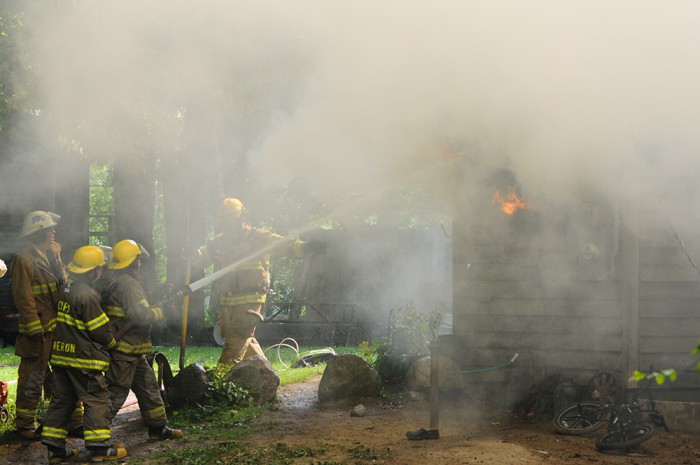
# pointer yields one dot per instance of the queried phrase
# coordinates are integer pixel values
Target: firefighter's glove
(315, 248)
(168, 294)
(55, 247)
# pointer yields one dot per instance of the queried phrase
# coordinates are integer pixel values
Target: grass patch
(233, 453)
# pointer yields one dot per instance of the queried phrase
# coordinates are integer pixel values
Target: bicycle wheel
(627, 438)
(581, 418)
(606, 386)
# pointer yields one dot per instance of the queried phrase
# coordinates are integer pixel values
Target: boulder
(189, 386)
(257, 376)
(347, 380)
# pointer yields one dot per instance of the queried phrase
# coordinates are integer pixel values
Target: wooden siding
(635, 306)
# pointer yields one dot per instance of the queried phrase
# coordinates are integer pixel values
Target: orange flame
(510, 203)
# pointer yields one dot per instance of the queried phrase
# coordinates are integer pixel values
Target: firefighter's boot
(30, 434)
(161, 433)
(61, 455)
(107, 454)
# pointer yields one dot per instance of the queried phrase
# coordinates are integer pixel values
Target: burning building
(576, 286)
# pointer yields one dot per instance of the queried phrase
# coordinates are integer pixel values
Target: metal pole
(434, 384)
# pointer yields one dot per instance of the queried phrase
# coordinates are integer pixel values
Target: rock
(189, 386)
(347, 379)
(416, 396)
(257, 375)
(358, 411)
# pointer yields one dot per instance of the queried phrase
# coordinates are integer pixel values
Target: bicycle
(629, 423)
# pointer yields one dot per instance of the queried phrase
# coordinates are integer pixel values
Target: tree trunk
(72, 203)
(135, 207)
(192, 186)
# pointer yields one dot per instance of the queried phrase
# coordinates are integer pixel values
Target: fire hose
(303, 359)
(502, 365)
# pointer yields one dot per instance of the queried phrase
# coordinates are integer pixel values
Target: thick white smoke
(350, 94)
(357, 96)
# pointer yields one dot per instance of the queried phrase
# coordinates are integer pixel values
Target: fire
(510, 203)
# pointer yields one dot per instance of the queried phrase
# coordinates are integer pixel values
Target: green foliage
(101, 203)
(223, 392)
(283, 270)
(408, 339)
(15, 68)
(659, 376)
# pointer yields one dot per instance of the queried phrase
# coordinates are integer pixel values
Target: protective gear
(3, 268)
(131, 317)
(108, 454)
(160, 434)
(124, 253)
(82, 327)
(130, 314)
(231, 206)
(79, 356)
(38, 220)
(244, 289)
(60, 455)
(87, 258)
(34, 288)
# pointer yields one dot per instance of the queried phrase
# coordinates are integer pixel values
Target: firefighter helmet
(87, 258)
(38, 220)
(231, 206)
(3, 268)
(124, 253)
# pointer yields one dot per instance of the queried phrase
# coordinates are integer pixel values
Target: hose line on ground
(299, 358)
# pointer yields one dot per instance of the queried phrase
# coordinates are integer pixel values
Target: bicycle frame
(632, 412)
(628, 427)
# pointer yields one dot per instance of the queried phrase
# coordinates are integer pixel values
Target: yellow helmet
(124, 253)
(87, 258)
(231, 206)
(38, 220)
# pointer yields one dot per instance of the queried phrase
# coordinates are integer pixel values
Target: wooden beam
(630, 294)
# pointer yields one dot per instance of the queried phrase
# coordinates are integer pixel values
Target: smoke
(361, 96)
(351, 96)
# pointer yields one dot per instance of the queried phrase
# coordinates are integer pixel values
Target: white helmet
(38, 220)
(231, 207)
(3, 268)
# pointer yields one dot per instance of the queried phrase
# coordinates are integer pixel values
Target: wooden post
(434, 384)
(630, 295)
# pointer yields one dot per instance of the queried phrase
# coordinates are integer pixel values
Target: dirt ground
(496, 438)
(466, 437)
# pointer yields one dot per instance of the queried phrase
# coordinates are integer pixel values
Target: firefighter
(79, 359)
(125, 302)
(37, 273)
(244, 290)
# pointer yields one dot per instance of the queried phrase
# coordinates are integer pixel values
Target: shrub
(408, 339)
